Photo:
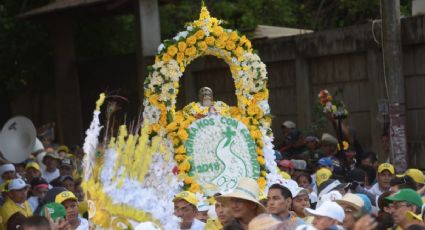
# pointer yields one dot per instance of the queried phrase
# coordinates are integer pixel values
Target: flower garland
(206, 36)
(330, 105)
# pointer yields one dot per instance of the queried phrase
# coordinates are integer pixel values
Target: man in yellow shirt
(16, 201)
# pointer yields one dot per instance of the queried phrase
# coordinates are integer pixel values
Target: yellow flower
(224, 37)
(345, 145)
(191, 40)
(194, 188)
(202, 46)
(255, 134)
(234, 111)
(217, 30)
(183, 135)
(259, 151)
(238, 51)
(156, 127)
(180, 157)
(210, 40)
(261, 160)
(182, 46)
(248, 44)
(220, 44)
(188, 180)
(172, 50)
(252, 110)
(180, 150)
(184, 166)
(263, 173)
(191, 51)
(245, 120)
(172, 126)
(157, 59)
(166, 57)
(180, 57)
(234, 36)
(243, 40)
(230, 45)
(204, 13)
(261, 182)
(200, 34)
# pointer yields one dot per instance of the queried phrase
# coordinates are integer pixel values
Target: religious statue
(206, 96)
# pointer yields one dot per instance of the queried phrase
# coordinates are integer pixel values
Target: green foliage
(24, 49)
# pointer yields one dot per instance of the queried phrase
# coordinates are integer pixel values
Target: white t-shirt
(33, 202)
(375, 190)
(197, 225)
(84, 224)
(49, 176)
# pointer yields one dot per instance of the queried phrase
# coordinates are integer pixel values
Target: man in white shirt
(185, 207)
(52, 162)
(384, 175)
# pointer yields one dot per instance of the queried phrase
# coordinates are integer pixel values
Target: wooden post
(148, 37)
(391, 41)
(68, 102)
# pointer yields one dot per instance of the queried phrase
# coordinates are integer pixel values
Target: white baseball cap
(17, 184)
(328, 209)
(289, 124)
(6, 168)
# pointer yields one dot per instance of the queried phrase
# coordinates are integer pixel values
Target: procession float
(131, 178)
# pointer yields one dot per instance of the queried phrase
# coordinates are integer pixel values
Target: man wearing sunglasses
(406, 206)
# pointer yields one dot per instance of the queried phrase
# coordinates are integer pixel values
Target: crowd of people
(321, 188)
(44, 192)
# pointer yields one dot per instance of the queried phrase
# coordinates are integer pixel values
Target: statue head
(206, 96)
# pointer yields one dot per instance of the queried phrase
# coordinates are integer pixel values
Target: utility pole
(393, 73)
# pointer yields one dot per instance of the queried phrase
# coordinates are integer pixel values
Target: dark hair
(303, 174)
(36, 221)
(415, 227)
(283, 190)
(385, 221)
(381, 200)
(403, 182)
(15, 221)
(371, 155)
(370, 171)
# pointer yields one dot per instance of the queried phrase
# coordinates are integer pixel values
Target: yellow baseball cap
(416, 174)
(34, 165)
(65, 195)
(386, 166)
(322, 175)
(187, 196)
(285, 175)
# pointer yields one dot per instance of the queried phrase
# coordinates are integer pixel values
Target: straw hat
(263, 222)
(351, 200)
(247, 189)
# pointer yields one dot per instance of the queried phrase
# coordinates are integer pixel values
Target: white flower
(189, 28)
(182, 34)
(160, 48)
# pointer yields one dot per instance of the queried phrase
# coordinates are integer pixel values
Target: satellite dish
(17, 139)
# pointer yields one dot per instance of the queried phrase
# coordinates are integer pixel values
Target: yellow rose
(224, 37)
(210, 41)
(200, 34)
(217, 30)
(183, 135)
(230, 45)
(188, 180)
(156, 127)
(191, 40)
(180, 157)
(248, 44)
(180, 57)
(172, 50)
(171, 127)
(191, 51)
(182, 46)
(220, 44)
(238, 51)
(243, 40)
(263, 173)
(245, 120)
(261, 182)
(202, 46)
(180, 149)
(166, 57)
(184, 166)
(178, 118)
(194, 188)
(234, 111)
(252, 110)
(234, 36)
